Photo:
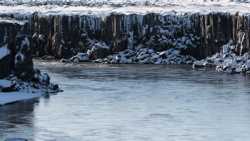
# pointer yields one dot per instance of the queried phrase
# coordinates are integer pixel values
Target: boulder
(98, 50)
(23, 58)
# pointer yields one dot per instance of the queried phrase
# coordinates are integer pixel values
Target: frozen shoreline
(14, 90)
(13, 97)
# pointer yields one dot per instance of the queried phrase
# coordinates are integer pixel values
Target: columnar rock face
(198, 35)
(8, 33)
(16, 65)
(15, 50)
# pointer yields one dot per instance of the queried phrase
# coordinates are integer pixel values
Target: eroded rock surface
(16, 65)
(227, 60)
(155, 38)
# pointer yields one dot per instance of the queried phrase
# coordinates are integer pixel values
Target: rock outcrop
(227, 60)
(192, 34)
(16, 65)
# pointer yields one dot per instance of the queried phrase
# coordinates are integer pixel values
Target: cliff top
(106, 7)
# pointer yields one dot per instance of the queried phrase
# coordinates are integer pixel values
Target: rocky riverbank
(17, 73)
(227, 60)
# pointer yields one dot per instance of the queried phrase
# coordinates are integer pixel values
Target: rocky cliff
(196, 34)
(16, 65)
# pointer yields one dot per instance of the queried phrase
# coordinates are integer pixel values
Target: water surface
(133, 103)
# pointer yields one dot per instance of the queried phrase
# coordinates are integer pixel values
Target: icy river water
(133, 103)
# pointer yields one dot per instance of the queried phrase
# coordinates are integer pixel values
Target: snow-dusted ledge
(20, 91)
(12, 97)
(105, 9)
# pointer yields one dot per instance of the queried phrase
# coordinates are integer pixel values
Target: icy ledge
(14, 90)
(13, 97)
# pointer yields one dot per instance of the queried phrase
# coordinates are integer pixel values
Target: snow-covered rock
(80, 57)
(226, 61)
(98, 49)
(13, 89)
(18, 79)
(148, 56)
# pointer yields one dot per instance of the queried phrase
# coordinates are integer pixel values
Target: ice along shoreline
(19, 80)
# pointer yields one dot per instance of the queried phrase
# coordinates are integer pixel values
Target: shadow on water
(17, 117)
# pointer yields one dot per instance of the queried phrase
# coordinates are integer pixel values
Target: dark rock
(23, 58)
(39, 44)
(98, 50)
(197, 35)
(5, 65)
(11, 88)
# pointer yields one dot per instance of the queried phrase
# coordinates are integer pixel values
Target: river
(133, 103)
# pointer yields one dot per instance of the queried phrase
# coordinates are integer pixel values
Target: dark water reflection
(17, 116)
(134, 103)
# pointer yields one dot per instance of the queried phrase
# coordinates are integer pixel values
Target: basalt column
(199, 35)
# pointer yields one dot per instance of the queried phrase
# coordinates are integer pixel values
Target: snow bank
(25, 92)
(106, 7)
(4, 51)
(15, 90)
(122, 2)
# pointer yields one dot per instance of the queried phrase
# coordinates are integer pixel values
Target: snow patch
(5, 83)
(4, 51)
